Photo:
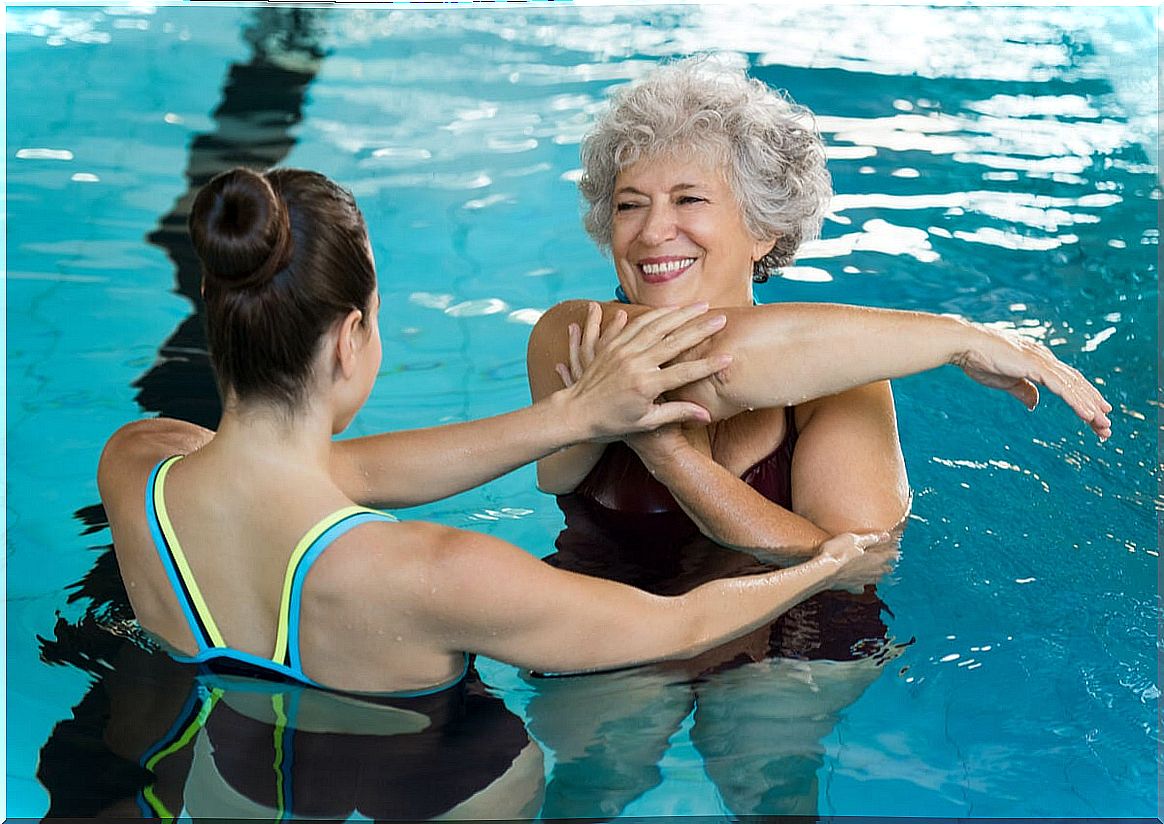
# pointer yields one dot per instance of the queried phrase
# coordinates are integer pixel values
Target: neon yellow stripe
(198, 601)
(156, 804)
(301, 548)
(280, 726)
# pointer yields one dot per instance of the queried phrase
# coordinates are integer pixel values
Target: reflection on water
(155, 739)
(759, 730)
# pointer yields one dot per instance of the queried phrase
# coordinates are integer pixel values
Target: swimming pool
(993, 163)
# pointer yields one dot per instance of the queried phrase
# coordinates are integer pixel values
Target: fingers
(564, 373)
(686, 336)
(868, 539)
(675, 412)
(575, 336)
(1027, 394)
(1068, 383)
(590, 334)
(613, 330)
(650, 327)
(1079, 393)
(681, 374)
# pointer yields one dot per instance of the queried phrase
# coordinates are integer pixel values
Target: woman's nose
(660, 224)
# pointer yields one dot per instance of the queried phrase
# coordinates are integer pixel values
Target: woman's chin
(669, 293)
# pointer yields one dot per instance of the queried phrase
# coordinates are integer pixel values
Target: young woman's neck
(270, 433)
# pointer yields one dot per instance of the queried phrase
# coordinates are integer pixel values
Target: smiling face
(679, 236)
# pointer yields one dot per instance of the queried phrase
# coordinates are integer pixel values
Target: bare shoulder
(133, 450)
(422, 567)
(553, 323)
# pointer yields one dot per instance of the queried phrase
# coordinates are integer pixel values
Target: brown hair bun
(240, 229)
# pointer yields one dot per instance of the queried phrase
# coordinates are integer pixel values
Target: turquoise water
(993, 163)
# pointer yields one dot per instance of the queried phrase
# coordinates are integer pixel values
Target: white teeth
(669, 266)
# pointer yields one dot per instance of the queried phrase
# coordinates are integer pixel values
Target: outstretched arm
(786, 354)
(614, 396)
(487, 597)
(848, 471)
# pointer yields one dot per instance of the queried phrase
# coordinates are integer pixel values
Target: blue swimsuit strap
(293, 660)
(153, 501)
(287, 660)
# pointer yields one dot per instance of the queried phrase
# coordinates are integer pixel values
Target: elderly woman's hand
(1016, 364)
(617, 376)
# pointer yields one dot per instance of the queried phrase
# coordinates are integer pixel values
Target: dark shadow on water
(262, 101)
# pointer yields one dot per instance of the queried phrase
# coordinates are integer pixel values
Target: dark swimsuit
(469, 741)
(214, 653)
(624, 525)
(470, 738)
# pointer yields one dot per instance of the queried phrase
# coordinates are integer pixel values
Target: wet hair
(284, 256)
(768, 146)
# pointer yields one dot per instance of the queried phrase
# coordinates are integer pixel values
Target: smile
(660, 271)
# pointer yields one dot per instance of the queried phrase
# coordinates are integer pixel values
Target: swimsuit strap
(206, 632)
(208, 637)
(309, 548)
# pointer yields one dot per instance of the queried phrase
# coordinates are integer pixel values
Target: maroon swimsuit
(624, 525)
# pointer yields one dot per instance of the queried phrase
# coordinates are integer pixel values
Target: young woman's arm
(488, 597)
(615, 395)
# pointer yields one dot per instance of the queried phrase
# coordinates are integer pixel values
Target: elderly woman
(700, 182)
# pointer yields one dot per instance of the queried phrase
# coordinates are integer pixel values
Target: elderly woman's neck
(301, 434)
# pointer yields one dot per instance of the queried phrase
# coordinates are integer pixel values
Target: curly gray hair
(773, 155)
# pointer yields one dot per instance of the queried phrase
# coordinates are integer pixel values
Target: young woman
(248, 548)
(699, 182)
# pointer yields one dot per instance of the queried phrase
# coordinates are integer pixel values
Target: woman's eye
(687, 199)
(625, 207)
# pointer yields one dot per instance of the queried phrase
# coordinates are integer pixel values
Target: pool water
(993, 163)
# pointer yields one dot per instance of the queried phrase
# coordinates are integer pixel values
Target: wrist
(826, 569)
(959, 337)
(567, 423)
(658, 451)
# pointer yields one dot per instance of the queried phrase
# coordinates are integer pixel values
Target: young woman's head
(287, 270)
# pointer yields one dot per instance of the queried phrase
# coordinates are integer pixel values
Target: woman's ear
(763, 247)
(349, 341)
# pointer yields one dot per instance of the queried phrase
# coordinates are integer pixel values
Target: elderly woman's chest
(740, 442)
